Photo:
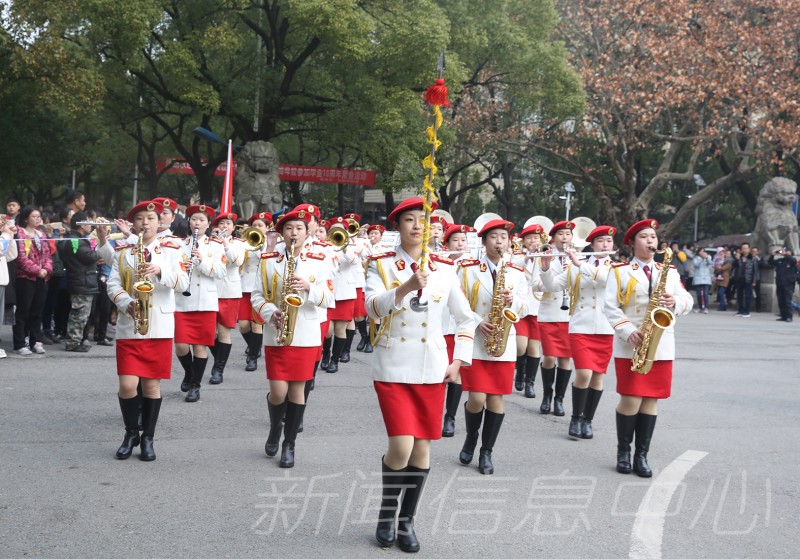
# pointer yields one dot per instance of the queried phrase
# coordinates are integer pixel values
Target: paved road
(213, 492)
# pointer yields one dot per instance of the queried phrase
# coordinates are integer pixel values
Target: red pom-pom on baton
(437, 94)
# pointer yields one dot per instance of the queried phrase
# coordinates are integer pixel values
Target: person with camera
(80, 261)
(785, 265)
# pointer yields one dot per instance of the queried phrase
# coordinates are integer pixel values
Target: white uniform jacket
(204, 275)
(450, 325)
(477, 282)
(550, 305)
(586, 286)
(249, 267)
(411, 348)
(533, 267)
(268, 293)
(166, 255)
(626, 300)
(230, 287)
(346, 280)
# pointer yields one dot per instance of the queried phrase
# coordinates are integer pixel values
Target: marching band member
(168, 214)
(375, 234)
(627, 297)
(291, 344)
(455, 239)
(143, 354)
(529, 345)
(590, 335)
(196, 311)
(490, 377)
(554, 326)
(249, 327)
(359, 321)
(229, 292)
(438, 226)
(410, 364)
(371, 248)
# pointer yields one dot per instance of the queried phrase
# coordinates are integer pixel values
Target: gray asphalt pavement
(213, 492)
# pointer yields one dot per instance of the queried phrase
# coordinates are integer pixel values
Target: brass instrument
(656, 320)
(341, 238)
(290, 301)
(254, 237)
(500, 316)
(142, 291)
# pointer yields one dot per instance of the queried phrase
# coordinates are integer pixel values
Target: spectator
(81, 261)
(12, 209)
(785, 265)
(56, 302)
(703, 267)
(723, 271)
(679, 261)
(689, 250)
(34, 267)
(76, 201)
(8, 252)
(759, 261)
(746, 274)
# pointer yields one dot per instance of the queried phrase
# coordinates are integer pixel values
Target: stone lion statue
(258, 183)
(776, 225)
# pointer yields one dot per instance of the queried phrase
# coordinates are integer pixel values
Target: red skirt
(195, 327)
(360, 306)
(145, 358)
(655, 384)
(344, 310)
(592, 351)
(412, 409)
(245, 307)
(228, 312)
(450, 340)
(290, 363)
(555, 339)
(528, 327)
(488, 377)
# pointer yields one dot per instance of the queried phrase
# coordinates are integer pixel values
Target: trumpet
(253, 237)
(341, 238)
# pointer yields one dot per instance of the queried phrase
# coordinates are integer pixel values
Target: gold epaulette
(321, 243)
(442, 259)
(315, 255)
(169, 244)
(214, 239)
(515, 266)
(382, 255)
(469, 262)
(619, 264)
(121, 246)
(266, 255)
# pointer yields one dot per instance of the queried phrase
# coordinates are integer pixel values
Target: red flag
(226, 204)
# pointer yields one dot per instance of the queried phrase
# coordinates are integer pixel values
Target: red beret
(168, 203)
(534, 229)
(310, 208)
(294, 215)
(638, 226)
(200, 209)
(457, 229)
(380, 228)
(496, 224)
(410, 204)
(561, 225)
(440, 219)
(352, 216)
(232, 216)
(323, 223)
(336, 221)
(145, 206)
(266, 217)
(601, 231)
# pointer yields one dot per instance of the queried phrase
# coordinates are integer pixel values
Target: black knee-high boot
(336, 353)
(491, 428)
(150, 410)
(451, 403)
(186, 363)
(626, 425)
(362, 329)
(253, 348)
(140, 393)
(548, 377)
(220, 360)
(326, 353)
(275, 426)
(645, 425)
(562, 381)
(531, 366)
(306, 393)
(345, 357)
(130, 417)
(414, 484)
(519, 377)
(579, 396)
(294, 417)
(393, 481)
(198, 368)
(473, 423)
(592, 400)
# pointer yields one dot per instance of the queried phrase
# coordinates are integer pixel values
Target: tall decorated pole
(436, 96)
(226, 203)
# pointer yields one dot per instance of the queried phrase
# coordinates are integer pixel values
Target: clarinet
(565, 294)
(188, 291)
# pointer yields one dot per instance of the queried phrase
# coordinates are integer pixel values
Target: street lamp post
(570, 189)
(699, 183)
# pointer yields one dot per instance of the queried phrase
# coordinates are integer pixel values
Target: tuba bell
(253, 237)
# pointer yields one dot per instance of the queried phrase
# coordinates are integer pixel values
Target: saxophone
(142, 291)
(656, 320)
(290, 301)
(500, 316)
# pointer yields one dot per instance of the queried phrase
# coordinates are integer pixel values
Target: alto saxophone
(142, 291)
(500, 316)
(290, 301)
(656, 320)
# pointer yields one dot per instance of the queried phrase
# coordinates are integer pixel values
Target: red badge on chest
(401, 264)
